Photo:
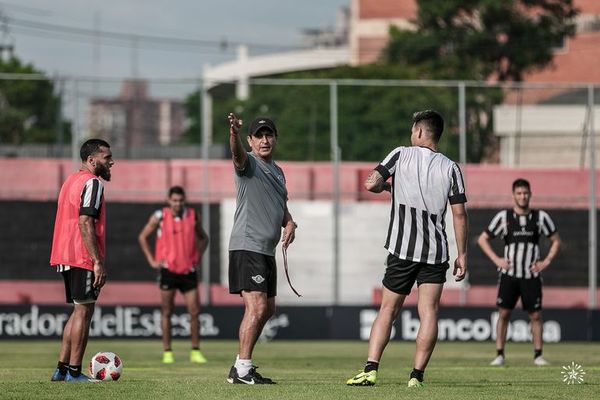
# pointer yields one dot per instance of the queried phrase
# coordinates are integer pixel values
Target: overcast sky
(34, 27)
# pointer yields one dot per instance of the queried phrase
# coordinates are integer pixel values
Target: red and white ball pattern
(106, 366)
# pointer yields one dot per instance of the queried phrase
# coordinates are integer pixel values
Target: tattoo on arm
(375, 183)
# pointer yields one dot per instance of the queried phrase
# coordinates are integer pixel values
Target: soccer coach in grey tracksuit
(261, 212)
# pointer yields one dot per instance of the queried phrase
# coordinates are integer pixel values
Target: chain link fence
(331, 132)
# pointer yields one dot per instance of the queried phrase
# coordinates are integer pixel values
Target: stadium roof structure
(244, 67)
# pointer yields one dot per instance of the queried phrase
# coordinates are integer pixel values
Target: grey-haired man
(261, 212)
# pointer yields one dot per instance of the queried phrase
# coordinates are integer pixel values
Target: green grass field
(312, 370)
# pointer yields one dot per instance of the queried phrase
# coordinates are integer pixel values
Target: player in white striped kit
(423, 182)
(521, 264)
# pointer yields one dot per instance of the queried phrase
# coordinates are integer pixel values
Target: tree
(28, 108)
(372, 120)
(482, 39)
(453, 39)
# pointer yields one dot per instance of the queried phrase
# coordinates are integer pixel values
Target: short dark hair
(432, 122)
(91, 147)
(176, 190)
(521, 183)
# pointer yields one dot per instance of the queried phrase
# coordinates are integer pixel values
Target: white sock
(243, 366)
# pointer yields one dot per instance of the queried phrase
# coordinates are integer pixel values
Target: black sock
(537, 353)
(417, 373)
(75, 370)
(62, 367)
(169, 349)
(371, 366)
(196, 348)
(500, 352)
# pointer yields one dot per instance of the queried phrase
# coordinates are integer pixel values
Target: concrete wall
(545, 135)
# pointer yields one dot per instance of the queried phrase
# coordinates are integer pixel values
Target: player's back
(424, 179)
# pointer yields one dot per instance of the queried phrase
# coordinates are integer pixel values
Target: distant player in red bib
(78, 251)
(180, 242)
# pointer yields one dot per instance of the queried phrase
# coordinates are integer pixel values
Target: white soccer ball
(106, 366)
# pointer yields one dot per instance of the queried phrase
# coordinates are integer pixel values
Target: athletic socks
(371, 366)
(417, 373)
(62, 367)
(537, 353)
(500, 352)
(243, 366)
(75, 370)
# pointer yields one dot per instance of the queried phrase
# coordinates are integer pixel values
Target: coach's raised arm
(238, 153)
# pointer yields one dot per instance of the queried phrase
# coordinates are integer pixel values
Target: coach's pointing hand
(234, 124)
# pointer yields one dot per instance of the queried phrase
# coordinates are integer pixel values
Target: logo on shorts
(258, 279)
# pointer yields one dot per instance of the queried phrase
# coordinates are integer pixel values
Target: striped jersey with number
(423, 181)
(521, 235)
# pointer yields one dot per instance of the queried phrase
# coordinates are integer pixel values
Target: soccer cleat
(168, 357)
(80, 378)
(363, 379)
(414, 382)
(540, 361)
(498, 361)
(57, 376)
(196, 356)
(252, 378)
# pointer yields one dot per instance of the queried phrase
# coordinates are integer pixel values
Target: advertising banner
(351, 323)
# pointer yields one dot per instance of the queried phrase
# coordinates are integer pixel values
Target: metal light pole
(335, 164)
(59, 126)
(462, 131)
(462, 124)
(206, 128)
(593, 240)
(75, 158)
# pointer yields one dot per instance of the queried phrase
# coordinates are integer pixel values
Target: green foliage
(371, 120)
(454, 39)
(192, 111)
(479, 39)
(28, 108)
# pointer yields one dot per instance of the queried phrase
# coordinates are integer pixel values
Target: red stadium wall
(147, 181)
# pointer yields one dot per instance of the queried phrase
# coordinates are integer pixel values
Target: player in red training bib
(180, 243)
(78, 251)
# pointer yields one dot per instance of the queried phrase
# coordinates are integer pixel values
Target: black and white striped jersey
(521, 235)
(91, 198)
(423, 181)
